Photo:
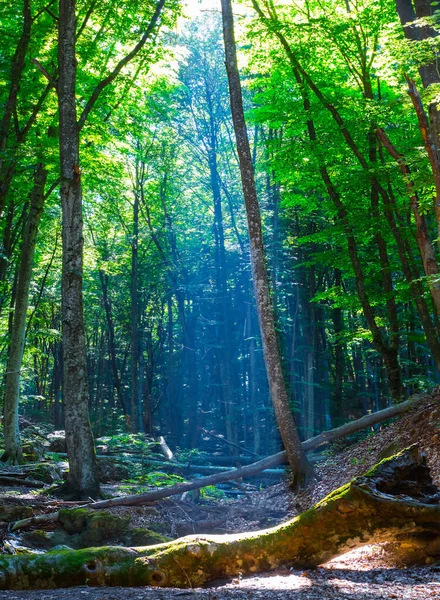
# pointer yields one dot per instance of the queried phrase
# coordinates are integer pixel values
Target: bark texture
(396, 501)
(83, 479)
(272, 357)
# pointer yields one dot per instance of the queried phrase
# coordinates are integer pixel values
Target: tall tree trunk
(17, 68)
(13, 452)
(223, 301)
(278, 390)
(83, 479)
(117, 384)
(429, 74)
(136, 412)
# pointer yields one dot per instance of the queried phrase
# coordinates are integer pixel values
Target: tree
(277, 386)
(83, 478)
(13, 451)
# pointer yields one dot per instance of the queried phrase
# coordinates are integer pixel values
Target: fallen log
(14, 480)
(394, 501)
(180, 488)
(265, 463)
(36, 520)
(182, 468)
(366, 421)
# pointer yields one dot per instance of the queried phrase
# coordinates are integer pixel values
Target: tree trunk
(277, 386)
(117, 384)
(136, 409)
(83, 472)
(13, 453)
(371, 509)
(17, 69)
(429, 74)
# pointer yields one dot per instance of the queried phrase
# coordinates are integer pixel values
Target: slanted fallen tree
(253, 469)
(270, 461)
(395, 501)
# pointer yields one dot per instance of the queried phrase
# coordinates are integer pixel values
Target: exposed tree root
(396, 501)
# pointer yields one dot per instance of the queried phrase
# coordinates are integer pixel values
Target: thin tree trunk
(136, 413)
(111, 341)
(278, 391)
(13, 452)
(83, 479)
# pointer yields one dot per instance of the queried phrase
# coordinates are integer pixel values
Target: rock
(109, 470)
(15, 513)
(73, 521)
(159, 527)
(103, 527)
(37, 539)
(57, 442)
(33, 451)
(46, 472)
(84, 527)
(145, 537)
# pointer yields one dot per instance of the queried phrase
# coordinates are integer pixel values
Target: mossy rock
(37, 539)
(46, 472)
(110, 470)
(73, 521)
(87, 527)
(393, 448)
(57, 442)
(145, 537)
(102, 527)
(15, 513)
(159, 527)
(33, 451)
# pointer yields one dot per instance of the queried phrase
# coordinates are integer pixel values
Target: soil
(364, 574)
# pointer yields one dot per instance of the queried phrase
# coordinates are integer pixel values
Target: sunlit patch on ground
(282, 579)
(364, 558)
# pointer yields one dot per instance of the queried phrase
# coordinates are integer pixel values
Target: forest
(219, 285)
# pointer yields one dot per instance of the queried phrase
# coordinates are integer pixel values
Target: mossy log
(395, 501)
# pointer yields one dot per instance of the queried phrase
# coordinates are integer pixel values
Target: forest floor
(364, 574)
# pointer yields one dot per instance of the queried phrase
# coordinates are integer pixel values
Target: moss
(37, 539)
(15, 513)
(102, 526)
(145, 537)
(73, 520)
(159, 527)
(88, 527)
(334, 495)
(45, 472)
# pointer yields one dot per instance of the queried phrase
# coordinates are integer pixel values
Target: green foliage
(127, 442)
(148, 481)
(211, 492)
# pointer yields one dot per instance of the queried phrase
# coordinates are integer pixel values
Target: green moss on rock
(145, 537)
(87, 527)
(37, 539)
(73, 521)
(15, 513)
